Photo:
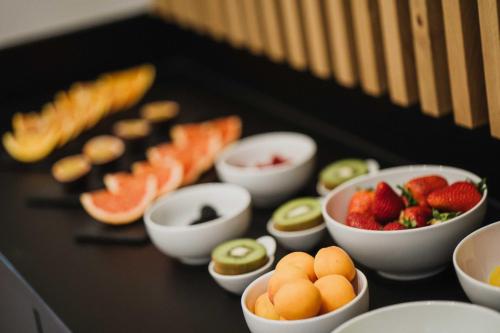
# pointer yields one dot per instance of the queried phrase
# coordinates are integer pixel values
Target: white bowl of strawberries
(405, 222)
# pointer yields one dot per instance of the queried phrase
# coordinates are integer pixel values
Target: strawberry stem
(443, 216)
(409, 198)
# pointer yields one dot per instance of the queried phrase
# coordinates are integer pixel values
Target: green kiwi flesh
(239, 256)
(341, 171)
(298, 214)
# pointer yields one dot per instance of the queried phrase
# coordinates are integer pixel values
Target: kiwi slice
(341, 171)
(298, 214)
(239, 256)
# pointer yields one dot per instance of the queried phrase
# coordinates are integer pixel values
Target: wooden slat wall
(273, 34)
(430, 56)
(398, 47)
(442, 54)
(255, 39)
(294, 34)
(369, 47)
(465, 63)
(489, 18)
(341, 41)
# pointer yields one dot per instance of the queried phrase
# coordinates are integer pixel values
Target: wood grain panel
(294, 34)
(370, 53)
(341, 41)
(398, 51)
(463, 43)
(236, 29)
(489, 19)
(255, 41)
(314, 28)
(273, 40)
(430, 57)
(217, 19)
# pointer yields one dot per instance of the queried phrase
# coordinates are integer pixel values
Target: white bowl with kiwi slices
(189, 223)
(236, 263)
(298, 224)
(271, 166)
(338, 172)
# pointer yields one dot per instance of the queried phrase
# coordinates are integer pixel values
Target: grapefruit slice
(190, 159)
(169, 174)
(204, 140)
(229, 127)
(124, 205)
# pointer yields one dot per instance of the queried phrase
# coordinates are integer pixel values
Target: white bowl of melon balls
(271, 166)
(298, 224)
(306, 294)
(404, 222)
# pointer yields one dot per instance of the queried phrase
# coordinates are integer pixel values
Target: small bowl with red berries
(404, 222)
(271, 166)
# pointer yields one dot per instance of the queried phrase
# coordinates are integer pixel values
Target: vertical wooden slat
(294, 34)
(316, 38)
(398, 51)
(236, 29)
(163, 9)
(217, 19)
(430, 57)
(489, 18)
(341, 41)
(253, 29)
(370, 53)
(274, 46)
(463, 43)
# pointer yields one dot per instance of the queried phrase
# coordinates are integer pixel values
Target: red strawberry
(387, 204)
(362, 202)
(394, 226)
(458, 197)
(415, 216)
(419, 188)
(362, 221)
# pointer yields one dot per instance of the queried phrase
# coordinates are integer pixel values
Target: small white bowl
(269, 186)
(373, 168)
(406, 254)
(237, 283)
(302, 240)
(425, 316)
(474, 259)
(168, 220)
(319, 324)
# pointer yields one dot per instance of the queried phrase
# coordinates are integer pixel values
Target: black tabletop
(131, 288)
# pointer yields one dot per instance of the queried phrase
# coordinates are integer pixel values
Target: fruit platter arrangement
(334, 226)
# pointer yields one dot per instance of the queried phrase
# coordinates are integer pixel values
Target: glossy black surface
(122, 288)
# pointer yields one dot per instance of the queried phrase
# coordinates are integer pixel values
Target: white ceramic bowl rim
(153, 207)
(471, 279)
(298, 233)
(344, 308)
(400, 170)
(226, 154)
(413, 304)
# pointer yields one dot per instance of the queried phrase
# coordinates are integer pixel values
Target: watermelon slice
(124, 203)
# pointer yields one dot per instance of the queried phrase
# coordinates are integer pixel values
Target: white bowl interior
(479, 253)
(425, 317)
(338, 201)
(183, 206)
(295, 147)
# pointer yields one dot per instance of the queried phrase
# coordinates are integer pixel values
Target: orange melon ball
(264, 308)
(298, 299)
(301, 260)
(335, 291)
(286, 273)
(334, 260)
